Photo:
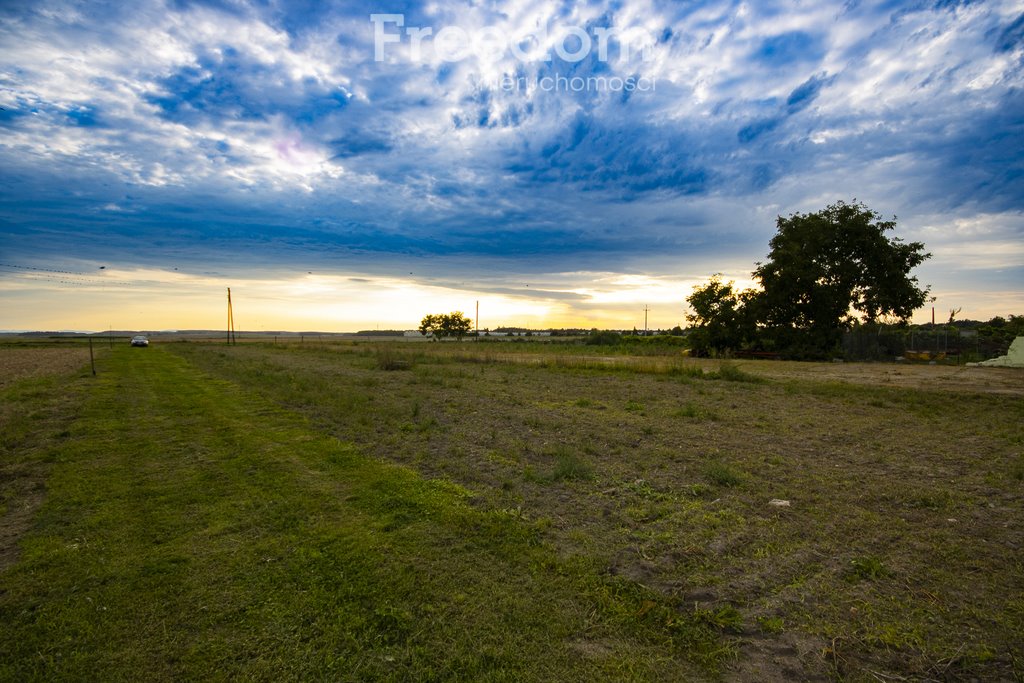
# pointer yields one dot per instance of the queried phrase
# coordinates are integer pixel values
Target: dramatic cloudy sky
(341, 172)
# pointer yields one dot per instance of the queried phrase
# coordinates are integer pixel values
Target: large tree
(719, 321)
(826, 267)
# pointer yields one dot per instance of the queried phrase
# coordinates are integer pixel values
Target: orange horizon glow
(162, 300)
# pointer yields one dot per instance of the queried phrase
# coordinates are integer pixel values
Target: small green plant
(695, 411)
(570, 467)
(722, 475)
(771, 625)
(726, 618)
(530, 474)
(930, 499)
(634, 406)
(698, 490)
(1017, 468)
(867, 568)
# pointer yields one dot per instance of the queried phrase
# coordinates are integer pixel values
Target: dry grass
(919, 481)
(19, 363)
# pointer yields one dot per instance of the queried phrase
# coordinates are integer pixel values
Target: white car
(139, 340)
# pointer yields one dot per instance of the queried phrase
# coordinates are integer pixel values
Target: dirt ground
(981, 380)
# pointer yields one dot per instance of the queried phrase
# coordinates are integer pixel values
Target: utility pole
(476, 320)
(231, 321)
(646, 308)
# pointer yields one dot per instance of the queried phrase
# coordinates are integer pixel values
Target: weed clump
(389, 359)
(1017, 469)
(697, 412)
(722, 475)
(726, 618)
(867, 568)
(570, 467)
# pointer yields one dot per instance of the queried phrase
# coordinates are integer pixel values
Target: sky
(347, 166)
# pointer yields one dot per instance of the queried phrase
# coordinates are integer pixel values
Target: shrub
(603, 338)
(389, 359)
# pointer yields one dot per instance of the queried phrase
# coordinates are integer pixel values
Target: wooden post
(92, 359)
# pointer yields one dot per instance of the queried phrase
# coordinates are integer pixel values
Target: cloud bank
(268, 140)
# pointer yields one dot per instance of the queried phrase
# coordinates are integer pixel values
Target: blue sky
(158, 152)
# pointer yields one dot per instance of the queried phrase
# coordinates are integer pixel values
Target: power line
(44, 270)
(59, 277)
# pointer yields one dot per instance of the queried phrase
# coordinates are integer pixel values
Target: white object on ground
(1014, 357)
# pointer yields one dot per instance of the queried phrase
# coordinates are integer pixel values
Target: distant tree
(445, 325)
(825, 267)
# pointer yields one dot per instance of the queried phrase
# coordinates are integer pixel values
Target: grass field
(506, 512)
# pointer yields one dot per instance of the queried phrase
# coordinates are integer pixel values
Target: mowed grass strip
(38, 396)
(898, 555)
(192, 530)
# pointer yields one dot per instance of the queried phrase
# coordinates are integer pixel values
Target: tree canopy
(442, 325)
(825, 271)
(718, 317)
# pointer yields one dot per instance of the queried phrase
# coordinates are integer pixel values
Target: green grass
(570, 467)
(626, 500)
(177, 541)
(867, 569)
(696, 411)
(731, 372)
(722, 474)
